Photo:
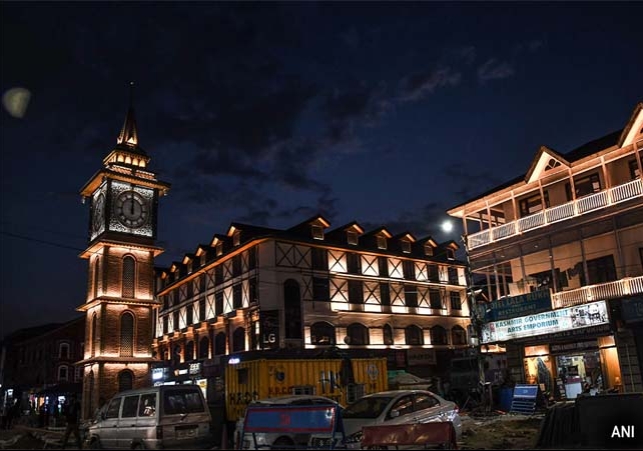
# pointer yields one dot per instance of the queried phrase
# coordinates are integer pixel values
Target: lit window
(428, 250)
(406, 246)
(318, 232)
(236, 238)
(219, 249)
(381, 242)
(351, 237)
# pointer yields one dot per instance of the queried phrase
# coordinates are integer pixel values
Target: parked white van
(160, 417)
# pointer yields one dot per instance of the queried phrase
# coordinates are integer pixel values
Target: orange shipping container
(266, 378)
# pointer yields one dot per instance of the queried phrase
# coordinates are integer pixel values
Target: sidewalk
(507, 431)
(24, 437)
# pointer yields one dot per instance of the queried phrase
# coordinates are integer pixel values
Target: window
(252, 291)
(236, 265)
(425, 402)
(182, 402)
(147, 406)
(113, 408)
(408, 267)
(321, 289)
(381, 242)
(428, 250)
(129, 266)
(239, 339)
(322, 333)
(165, 324)
(635, 172)
(189, 315)
(403, 406)
(218, 302)
(175, 317)
(382, 262)
(406, 246)
(410, 295)
(385, 293)
(433, 273)
(318, 232)
(351, 237)
(219, 249)
(319, 259)
(292, 309)
(388, 334)
(220, 343)
(435, 298)
(600, 270)
(204, 344)
(357, 334)
(438, 335)
(453, 275)
(533, 204)
(189, 351)
(588, 184)
(202, 309)
(236, 238)
(413, 335)
(130, 407)
(456, 300)
(218, 274)
(127, 334)
(125, 380)
(237, 300)
(355, 292)
(353, 263)
(252, 258)
(458, 336)
(63, 373)
(63, 351)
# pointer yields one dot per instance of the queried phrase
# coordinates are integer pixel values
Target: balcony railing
(610, 290)
(602, 199)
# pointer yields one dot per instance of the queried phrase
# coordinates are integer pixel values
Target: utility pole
(476, 324)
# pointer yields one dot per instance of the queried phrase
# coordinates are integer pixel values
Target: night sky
(269, 113)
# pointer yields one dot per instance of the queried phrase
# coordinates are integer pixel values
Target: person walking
(71, 411)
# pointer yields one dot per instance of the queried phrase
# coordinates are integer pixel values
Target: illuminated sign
(576, 317)
(513, 306)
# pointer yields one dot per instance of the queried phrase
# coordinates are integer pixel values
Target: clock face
(131, 209)
(99, 212)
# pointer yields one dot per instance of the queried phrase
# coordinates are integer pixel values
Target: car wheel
(281, 442)
(94, 444)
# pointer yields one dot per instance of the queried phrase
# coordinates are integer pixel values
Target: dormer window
(381, 242)
(236, 238)
(428, 250)
(406, 246)
(219, 249)
(351, 237)
(450, 254)
(318, 232)
(202, 259)
(189, 266)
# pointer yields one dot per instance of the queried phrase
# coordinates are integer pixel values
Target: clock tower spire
(120, 300)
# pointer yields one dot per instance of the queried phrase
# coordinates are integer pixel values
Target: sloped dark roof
(573, 155)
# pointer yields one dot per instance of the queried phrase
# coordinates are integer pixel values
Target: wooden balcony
(569, 210)
(603, 291)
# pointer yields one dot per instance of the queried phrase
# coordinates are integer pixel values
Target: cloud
(494, 70)
(420, 84)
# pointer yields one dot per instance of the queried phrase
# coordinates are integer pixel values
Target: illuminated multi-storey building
(307, 289)
(561, 248)
(120, 302)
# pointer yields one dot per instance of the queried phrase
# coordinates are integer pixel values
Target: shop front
(566, 352)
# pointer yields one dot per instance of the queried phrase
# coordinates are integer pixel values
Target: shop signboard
(521, 305)
(577, 317)
(632, 309)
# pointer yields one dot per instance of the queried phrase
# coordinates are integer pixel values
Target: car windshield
(369, 407)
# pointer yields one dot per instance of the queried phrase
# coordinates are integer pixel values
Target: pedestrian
(71, 411)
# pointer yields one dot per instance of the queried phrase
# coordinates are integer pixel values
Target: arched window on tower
(94, 343)
(127, 334)
(292, 306)
(357, 334)
(125, 380)
(322, 333)
(220, 344)
(239, 339)
(96, 276)
(129, 276)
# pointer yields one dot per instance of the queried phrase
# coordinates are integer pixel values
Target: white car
(397, 407)
(279, 440)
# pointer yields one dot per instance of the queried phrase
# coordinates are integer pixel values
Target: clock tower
(120, 303)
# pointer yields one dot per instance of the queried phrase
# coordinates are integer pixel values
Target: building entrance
(580, 372)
